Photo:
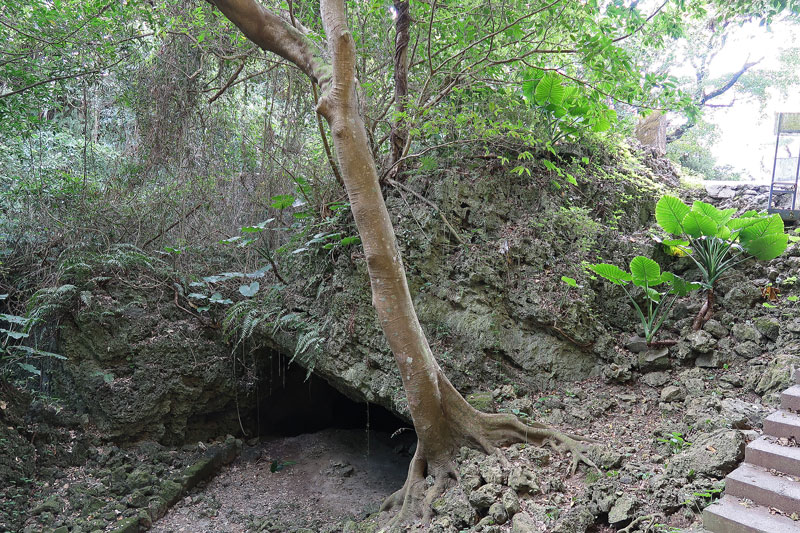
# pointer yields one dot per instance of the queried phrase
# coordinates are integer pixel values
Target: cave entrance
(313, 456)
(290, 405)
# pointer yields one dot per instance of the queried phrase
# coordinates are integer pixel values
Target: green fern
(244, 318)
(308, 345)
(284, 321)
(51, 300)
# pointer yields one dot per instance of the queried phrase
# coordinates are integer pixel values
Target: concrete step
(729, 515)
(755, 483)
(768, 453)
(790, 398)
(783, 424)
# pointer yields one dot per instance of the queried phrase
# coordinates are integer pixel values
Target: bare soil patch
(320, 480)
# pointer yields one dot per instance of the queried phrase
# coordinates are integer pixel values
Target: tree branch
(60, 78)
(689, 124)
(229, 82)
(272, 33)
(643, 24)
(325, 144)
(731, 82)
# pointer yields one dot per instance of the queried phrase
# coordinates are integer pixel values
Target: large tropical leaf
(670, 212)
(739, 223)
(681, 287)
(528, 90)
(766, 226)
(612, 273)
(645, 271)
(601, 123)
(698, 225)
(675, 242)
(652, 294)
(717, 215)
(751, 214)
(549, 90)
(676, 247)
(569, 94)
(768, 246)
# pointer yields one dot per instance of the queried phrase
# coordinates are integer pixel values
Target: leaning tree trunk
(443, 420)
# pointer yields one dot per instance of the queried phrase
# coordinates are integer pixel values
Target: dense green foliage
(716, 240)
(156, 124)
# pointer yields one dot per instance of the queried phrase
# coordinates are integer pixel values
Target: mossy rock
(482, 401)
(50, 505)
(140, 478)
(127, 525)
(768, 326)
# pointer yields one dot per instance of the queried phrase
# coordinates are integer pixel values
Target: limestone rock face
(493, 307)
(140, 367)
(524, 523)
(454, 504)
(712, 454)
(485, 496)
(622, 511)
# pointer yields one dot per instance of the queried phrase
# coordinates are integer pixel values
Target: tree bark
(443, 420)
(399, 134)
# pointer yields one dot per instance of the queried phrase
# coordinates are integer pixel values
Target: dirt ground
(325, 478)
(320, 479)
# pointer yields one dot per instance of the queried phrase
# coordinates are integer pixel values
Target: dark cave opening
(289, 405)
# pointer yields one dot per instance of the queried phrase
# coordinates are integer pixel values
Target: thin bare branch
(228, 83)
(642, 25)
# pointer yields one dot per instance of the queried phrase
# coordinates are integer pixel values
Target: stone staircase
(762, 494)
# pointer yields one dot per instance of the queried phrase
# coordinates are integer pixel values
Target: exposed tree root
(652, 520)
(433, 469)
(415, 498)
(662, 343)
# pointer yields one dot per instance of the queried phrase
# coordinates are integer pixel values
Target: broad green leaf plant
(646, 274)
(717, 241)
(567, 110)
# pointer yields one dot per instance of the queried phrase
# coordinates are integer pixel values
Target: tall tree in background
(707, 42)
